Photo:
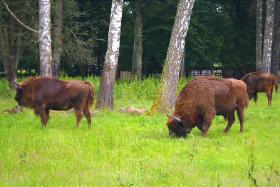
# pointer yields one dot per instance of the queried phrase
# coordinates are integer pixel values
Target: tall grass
(127, 150)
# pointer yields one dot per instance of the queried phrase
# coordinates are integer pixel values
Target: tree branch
(29, 28)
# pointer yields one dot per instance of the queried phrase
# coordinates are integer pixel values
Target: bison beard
(260, 82)
(46, 93)
(203, 98)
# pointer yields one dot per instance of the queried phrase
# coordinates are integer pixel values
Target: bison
(260, 82)
(46, 93)
(203, 98)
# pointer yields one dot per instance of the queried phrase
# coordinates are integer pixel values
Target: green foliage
(222, 33)
(126, 150)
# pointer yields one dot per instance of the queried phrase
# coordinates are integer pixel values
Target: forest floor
(128, 150)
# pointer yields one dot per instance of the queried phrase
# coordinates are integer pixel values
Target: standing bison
(46, 93)
(260, 82)
(203, 98)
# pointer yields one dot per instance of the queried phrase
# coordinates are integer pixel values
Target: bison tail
(90, 98)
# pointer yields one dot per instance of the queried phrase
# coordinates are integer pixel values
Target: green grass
(126, 150)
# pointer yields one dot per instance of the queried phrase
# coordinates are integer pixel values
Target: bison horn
(178, 119)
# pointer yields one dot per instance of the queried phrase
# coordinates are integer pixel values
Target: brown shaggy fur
(46, 93)
(203, 98)
(260, 82)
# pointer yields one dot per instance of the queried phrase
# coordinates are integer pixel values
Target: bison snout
(178, 131)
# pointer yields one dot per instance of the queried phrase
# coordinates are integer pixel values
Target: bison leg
(42, 112)
(255, 96)
(240, 112)
(79, 116)
(206, 123)
(269, 97)
(87, 114)
(231, 120)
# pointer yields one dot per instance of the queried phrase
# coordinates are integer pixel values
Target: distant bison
(203, 98)
(46, 93)
(260, 82)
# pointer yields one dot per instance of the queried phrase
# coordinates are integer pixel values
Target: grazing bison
(203, 98)
(46, 93)
(260, 82)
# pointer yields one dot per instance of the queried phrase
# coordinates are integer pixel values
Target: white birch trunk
(170, 76)
(105, 99)
(268, 36)
(45, 49)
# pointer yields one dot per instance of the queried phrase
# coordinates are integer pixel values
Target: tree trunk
(138, 38)
(10, 67)
(106, 99)
(167, 91)
(275, 58)
(182, 66)
(10, 48)
(268, 35)
(45, 49)
(58, 38)
(259, 35)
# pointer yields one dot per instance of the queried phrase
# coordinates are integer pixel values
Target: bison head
(23, 95)
(177, 127)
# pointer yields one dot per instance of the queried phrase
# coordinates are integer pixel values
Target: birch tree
(58, 37)
(138, 38)
(259, 35)
(182, 66)
(170, 75)
(275, 58)
(268, 36)
(106, 99)
(45, 49)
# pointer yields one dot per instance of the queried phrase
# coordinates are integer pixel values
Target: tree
(138, 38)
(170, 75)
(58, 38)
(182, 66)
(259, 35)
(275, 58)
(13, 37)
(268, 36)
(106, 99)
(45, 47)
(10, 57)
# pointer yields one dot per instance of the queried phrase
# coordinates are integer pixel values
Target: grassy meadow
(129, 150)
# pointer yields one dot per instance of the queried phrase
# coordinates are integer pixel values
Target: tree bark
(45, 49)
(138, 39)
(259, 35)
(268, 35)
(106, 99)
(167, 91)
(182, 66)
(275, 58)
(10, 49)
(58, 38)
